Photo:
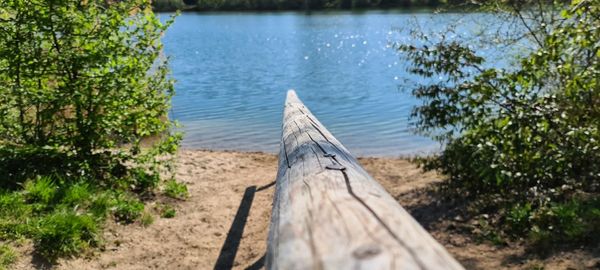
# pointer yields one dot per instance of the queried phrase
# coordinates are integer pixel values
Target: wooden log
(329, 213)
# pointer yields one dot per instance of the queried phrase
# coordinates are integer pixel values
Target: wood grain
(329, 213)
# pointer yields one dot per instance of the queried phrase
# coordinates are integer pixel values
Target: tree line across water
(172, 5)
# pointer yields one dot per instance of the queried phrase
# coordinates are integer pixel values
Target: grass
(7, 256)
(64, 233)
(176, 190)
(63, 217)
(167, 211)
(147, 219)
(127, 209)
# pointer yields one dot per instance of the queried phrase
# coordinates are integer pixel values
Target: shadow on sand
(234, 236)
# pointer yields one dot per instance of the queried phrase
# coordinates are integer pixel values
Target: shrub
(81, 84)
(526, 138)
(576, 220)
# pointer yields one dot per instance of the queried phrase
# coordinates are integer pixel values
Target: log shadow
(258, 264)
(234, 236)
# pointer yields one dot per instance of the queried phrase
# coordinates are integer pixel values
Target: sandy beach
(224, 222)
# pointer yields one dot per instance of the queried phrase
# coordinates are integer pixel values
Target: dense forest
(172, 5)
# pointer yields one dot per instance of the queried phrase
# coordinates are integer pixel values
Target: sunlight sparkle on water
(344, 66)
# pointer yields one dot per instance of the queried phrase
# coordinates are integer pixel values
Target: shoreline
(382, 156)
(225, 220)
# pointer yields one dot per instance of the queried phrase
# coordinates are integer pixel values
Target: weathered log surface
(329, 213)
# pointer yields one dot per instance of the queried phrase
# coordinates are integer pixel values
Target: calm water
(233, 71)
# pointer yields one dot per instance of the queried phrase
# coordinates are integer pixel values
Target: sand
(224, 223)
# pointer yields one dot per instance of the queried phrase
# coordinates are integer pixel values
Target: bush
(82, 84)
(577, 220)
(525, 139)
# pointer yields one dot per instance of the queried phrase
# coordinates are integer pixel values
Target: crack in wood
(317, 143)
(287, 160)
(317, 156)
(327, 139)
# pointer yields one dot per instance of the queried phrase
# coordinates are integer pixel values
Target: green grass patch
(65, 233)
(176, 190)
(127, 209)
(7, 256)
(167, 211)
(64, 218)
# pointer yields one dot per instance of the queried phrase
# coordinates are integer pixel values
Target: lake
(233, 71)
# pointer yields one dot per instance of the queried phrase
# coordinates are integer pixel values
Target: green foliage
(176, 190)
(77, 194)
(525, 138)
(63, 217)
(127, 210)
(168, 5)
(14, 215)
(518, 217)
(82, 86)
(167, 211)
(574, 220)
(7, 256)
(41, 190)
(65, 233)
(102, 203)
(82, 83)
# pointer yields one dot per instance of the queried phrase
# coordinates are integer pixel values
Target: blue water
(233, 71)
